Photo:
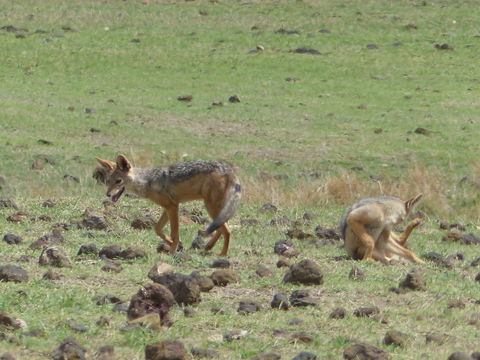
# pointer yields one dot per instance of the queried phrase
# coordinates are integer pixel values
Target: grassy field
(338, 100)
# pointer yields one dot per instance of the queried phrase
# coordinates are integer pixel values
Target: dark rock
(152, 298)
(13, 273)
(283, 31)
(266, 356)
(75, 326)
(475, 262)
(222, 263)
(10, 323)
(298, 234)
(438, 339)
(121, 308)
(204, 282)
(456, 304)
(184, 288)
(12, 239)
(54, 256)
(234, 99)
(414, 281)
(23, 259)
(235, 335)
(281, 246)
(48, 203)
(185, 98)
(475, 355)
(112, 266)
(142, 223)
(470, 239)
(366, 311)
(198, 243)
(396, 338)
(263, 271)
(372, 46)
(303, 50)
(302, 336)
(51, 275)
(474, 319)
(356, 274)
(223, 277)
(248, 307)
(106, 352)
(268, 207)
(362, 351)
(306, 272)
(457, 256)
(305, 356)
(249, 222)
(448, 226)
(133, 252)
(302, 298)
(444, 46)
(95, 222)
(107, 299)
(71, 178)
(69, 350)
(283, 263)
(88, 249)
(7, 356)
(103, 321)
(17, 217)
(204, 353)
(55, 237)
(281, 221)
(328, 233)
(6, 203)
(459, 355)
(280, 301)
(166, 350)
(438, 259)
(338, 313)
(296, 322)
(111, 252)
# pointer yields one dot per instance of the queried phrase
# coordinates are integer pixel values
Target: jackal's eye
(118, 181)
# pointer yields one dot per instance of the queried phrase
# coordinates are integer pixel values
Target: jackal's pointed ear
(410, 203)
(123, 164)
(107, 164)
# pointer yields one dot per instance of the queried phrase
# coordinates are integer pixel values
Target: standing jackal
(213, 181)
(367, 229)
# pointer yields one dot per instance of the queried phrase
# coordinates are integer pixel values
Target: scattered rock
(366, 311)
(88, 249)
(280, 301)
(51, 275)
(281, 246)
(283, 263)
(13, 273)
(263, 271)
(474, 319)
(235, 335)
(166, 350)
(11, 323)
(204, 282)
(475, 262)
(184, 288)
(249, 222)
(48, 203)
(222, 263)
(7, 356)
(248, 307)
(338, 313)
(142, 223)
(185, 98)
(112, 266)
(356, 274)
(204, 353)
(299, 234)
(372, 46)
(438, 259)
(362, 351)
(110, 252)
(105, 353)
(302, 336)
(328, 233)
(159, 269)
(151, 321)
(69, 350)
(17, 217)
(95, 222)
(302, 298)
(414, 281)
(266, 356)
(133, 252)
(234, 99)
(281, 221)
(283, 31)
(6, 203)
(71, 178)
(444, 46)
(12, 239)
(306, 272)
(456, 304)
(459, 355)
(75, 326)
(396, 338)
(198, 243)
(189, 312)
(305, 356)
(304, 50)
(55, 257)
(438, 339)
(224, 277)
(152, 298)
(447, 226)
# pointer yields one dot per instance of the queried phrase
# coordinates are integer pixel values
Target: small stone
(302, 336)
(248, 307)
(300, 298)
(189, 312)
(166, 350)
(185, 98)
(112, 266)
(88, 249)
(69, 349)
(281, 246)
(435, 338)
(224, 277)
(234, 99)
(11, 323)
(362, 351)
(305, 356)
(204, 353)
(366, 311)
(159, 269)
(263, 271)
(338, 313)
(222, 263)
(13, 273)
(280, 301)
(7, 356)
(235, 335)
(105, 353)
(12, 239)
(133, 252)
(459, 355)
(51, 275)
(55, 257)
(142, 223)
(95, 222)
(413, 281)
(396, 338)
(103, 321)
(283, 263)
(198, 243)
(110, 252)
(306, 272)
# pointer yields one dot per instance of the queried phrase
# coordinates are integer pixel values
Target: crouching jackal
(367, 229)
(214, 182)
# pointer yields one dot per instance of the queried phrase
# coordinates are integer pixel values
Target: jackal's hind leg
(160, 225)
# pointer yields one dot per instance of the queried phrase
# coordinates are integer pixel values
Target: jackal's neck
(138, 181)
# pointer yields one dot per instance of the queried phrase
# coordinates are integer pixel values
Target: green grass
(321, 122)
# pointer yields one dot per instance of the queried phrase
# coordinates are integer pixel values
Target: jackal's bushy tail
(230, 205)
